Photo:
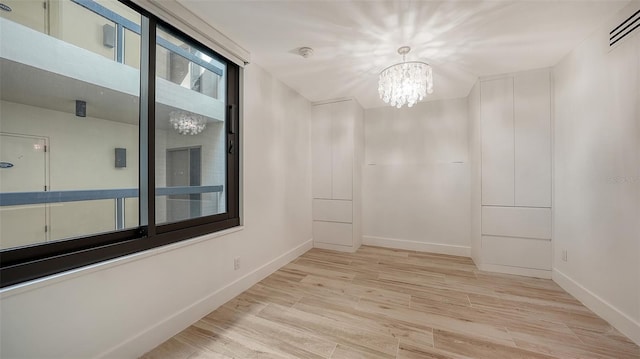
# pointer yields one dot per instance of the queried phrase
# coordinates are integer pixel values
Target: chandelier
(405, 83)
(187, 123)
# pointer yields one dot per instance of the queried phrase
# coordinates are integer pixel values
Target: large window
(118, 134)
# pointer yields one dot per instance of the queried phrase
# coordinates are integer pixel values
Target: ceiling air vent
(624, 29)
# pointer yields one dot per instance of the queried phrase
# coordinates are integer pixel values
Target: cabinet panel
(532, 108)
(517, 222)
(497, 142)
(332, 210)
(517, 252)
(343, 147)
(333, 233)
(321, 123)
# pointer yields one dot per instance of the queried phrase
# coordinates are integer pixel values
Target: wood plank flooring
(385, 303)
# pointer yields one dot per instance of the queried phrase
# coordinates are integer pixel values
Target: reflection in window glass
(131, 48)
(69, 130)
(190, 131)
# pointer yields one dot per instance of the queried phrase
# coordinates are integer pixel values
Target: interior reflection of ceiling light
(405, 83)
(187, 123)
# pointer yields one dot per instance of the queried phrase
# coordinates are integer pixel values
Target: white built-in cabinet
(337, 151)
(515, 127)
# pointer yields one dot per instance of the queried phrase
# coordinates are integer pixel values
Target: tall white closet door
(532, 108)
(497, 142)
(342, 156)
(321, 151)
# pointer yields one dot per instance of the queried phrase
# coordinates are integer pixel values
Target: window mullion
(233, 154)
(147, 126)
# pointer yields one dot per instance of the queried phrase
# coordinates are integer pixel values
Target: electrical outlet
(564, 255)
(236, 263)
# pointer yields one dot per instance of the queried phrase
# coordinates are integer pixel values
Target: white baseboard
(475, 257)
(619, 320)
(156, 334)
(527, 272)
(439, 248)
(334, 247)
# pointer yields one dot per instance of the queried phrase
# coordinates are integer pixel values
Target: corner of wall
(587, 121)
(166, 328)
(622, 322)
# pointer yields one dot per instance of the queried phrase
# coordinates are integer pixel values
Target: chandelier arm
(401, 63)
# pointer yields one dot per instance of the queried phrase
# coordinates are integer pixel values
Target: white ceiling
(354, 40)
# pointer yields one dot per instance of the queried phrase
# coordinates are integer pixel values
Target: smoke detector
(305, 52)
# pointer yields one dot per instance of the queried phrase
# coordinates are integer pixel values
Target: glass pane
(26, 13)
(75, 219)
(190, 131)
(131, 49)
(69, 129)
(95, 29)
(84, 28)
(188, 67)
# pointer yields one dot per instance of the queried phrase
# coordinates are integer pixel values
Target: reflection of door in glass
(183, 169)
(26, 12)
(24, 169)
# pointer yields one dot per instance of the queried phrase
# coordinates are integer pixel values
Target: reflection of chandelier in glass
(187, 123)
(405, 83)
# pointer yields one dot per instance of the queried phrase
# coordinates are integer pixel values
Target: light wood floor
(383, 303)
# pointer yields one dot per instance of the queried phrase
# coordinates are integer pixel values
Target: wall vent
(624, 29)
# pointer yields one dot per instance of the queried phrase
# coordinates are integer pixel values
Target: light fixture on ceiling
(405, 83)
(187, 123)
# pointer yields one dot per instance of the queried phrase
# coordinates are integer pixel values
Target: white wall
(414, 194)
(597, 177)
(125, 308)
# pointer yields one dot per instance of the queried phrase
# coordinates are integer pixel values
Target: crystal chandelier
(405, 83)
(187, 123)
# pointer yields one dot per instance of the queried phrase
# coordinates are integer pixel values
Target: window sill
(60, 277)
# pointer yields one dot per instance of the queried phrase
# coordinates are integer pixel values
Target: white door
(497, 142)
(532, 132)
(177, 175)
(321, 151)
(342, 150)
(184, 169)
(23, 169)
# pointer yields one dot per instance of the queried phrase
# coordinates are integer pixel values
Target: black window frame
(22, 264)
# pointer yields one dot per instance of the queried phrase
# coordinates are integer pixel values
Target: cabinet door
(532, 101)
(333, 233)
(517, 222)
(517, 252)
(342, 144)
(330, 210)
(321, 151)
(497, 142)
